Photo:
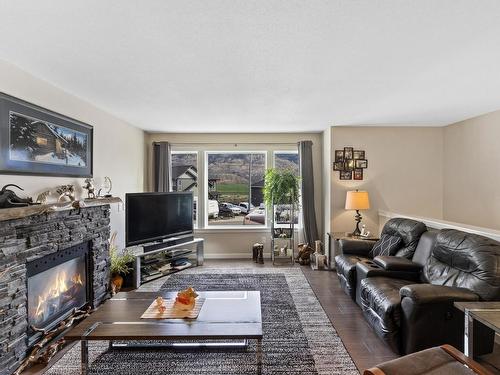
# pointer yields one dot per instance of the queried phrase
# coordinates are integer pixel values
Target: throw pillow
(387, 245)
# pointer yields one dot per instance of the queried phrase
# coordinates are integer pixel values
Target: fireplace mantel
(36, 235)
(37, 209)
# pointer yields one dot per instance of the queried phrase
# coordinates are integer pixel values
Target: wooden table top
(462, 306)
(224, 315)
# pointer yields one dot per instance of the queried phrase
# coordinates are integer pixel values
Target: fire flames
(56, 292)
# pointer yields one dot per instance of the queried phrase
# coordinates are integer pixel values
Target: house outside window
(185, 175)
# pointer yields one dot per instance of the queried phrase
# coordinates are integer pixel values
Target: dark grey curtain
(162, 166)
(307, 180)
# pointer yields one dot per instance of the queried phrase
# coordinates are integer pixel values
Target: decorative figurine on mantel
(108, 185)
(42, 197)
(9, 199)
(66, 192)
(89, 186)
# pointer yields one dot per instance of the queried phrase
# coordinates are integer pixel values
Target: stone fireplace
(50, 263)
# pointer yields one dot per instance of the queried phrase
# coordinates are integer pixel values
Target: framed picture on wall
(359, 154)
(348, 153)
(361, 163)
(37, 141)
(349, 165)
(338, 166)
(339, 156)
(358, 174)
(345, 175)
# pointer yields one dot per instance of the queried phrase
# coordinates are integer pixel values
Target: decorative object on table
(357, 200)
(257, 249)
(304, 256)
(170, 312)
(283, 251)
(185, 299)
(43, 197)
(89, 186)
(42, 142)
(9, 198)
(66, 192)
(350, 163)
(281, 195)
(120, 264)
(364, 231)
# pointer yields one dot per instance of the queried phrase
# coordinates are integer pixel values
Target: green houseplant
(120, 264)
(281, 186)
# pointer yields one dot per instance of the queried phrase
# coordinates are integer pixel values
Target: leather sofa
(409, 303)
(354, 251)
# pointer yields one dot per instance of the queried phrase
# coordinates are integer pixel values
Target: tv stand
(161, 261)
(170, 242)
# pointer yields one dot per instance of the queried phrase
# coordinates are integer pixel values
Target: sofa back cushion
(465, 260)
(409, 231)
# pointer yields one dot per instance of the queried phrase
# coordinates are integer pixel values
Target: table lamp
(357, 200)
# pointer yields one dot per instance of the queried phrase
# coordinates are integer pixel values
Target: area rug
(298, 337)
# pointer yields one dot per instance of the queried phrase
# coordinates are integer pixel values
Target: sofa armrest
(355, 247)
(393, 263)
(428, 293)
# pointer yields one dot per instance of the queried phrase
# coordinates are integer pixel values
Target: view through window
(235, 184)
(185, 174)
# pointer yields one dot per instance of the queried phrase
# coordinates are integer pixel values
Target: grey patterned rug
(298, 337)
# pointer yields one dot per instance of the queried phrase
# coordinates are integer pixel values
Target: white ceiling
(259, 66)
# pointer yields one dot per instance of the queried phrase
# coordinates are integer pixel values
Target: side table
(333, 245)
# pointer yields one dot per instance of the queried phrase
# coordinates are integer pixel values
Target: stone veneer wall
(25, 239)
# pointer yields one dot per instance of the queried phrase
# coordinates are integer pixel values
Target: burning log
(41, 353)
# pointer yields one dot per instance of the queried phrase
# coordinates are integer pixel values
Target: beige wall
(404, 173)
(472, 171)
(236, 243)
(118, 146)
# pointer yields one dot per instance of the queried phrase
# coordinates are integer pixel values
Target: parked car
(236, 209)
(244, 207)
(213, 209)
(225, 211)
(257, 216)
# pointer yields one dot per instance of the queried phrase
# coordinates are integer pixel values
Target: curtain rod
(231, 143)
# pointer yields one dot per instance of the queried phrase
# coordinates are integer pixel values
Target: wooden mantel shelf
(20, 212)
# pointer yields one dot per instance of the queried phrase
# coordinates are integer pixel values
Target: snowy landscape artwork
(39, 141)
(35, 140)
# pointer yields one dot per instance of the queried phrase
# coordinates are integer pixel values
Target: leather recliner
(416, 312)
(354, 251)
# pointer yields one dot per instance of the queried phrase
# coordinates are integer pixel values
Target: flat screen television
(151, 217)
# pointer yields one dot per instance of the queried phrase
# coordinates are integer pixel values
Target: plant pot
(117, 282)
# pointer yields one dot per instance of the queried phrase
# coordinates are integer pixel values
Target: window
(235, 181)
(185, 174)
(286, 160)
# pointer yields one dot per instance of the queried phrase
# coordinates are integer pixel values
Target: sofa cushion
(465, 260)
(346, 270)
(409, 231)
(381, 305)
(387, 245)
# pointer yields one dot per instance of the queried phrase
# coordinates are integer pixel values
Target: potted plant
(120, 264)
(281, 186)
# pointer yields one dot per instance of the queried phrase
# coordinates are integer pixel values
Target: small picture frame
(339, 156)
(345, 175)
(358, 174)
(361, 163)
(349, 165)
(338, 166)
(348, 153)
(359, 154)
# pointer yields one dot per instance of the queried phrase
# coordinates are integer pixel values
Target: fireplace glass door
(54, 292)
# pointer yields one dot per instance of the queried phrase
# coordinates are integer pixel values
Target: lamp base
(357, 218)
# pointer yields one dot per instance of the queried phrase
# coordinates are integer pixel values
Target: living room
(236, 187)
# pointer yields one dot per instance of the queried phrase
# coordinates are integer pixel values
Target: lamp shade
(357, 200)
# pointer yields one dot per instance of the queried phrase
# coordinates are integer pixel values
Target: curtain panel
(162, 166)
(307, 182)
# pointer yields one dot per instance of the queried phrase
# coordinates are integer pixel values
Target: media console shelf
(151, 265)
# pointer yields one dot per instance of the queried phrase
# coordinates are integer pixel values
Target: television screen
(156, 216)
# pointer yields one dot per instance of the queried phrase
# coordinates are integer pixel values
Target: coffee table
(225, 315)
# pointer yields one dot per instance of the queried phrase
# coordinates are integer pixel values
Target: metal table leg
(259, 356)
(469, 335)
(84, 357)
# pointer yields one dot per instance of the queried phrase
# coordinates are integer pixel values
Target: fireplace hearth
(57, 284)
